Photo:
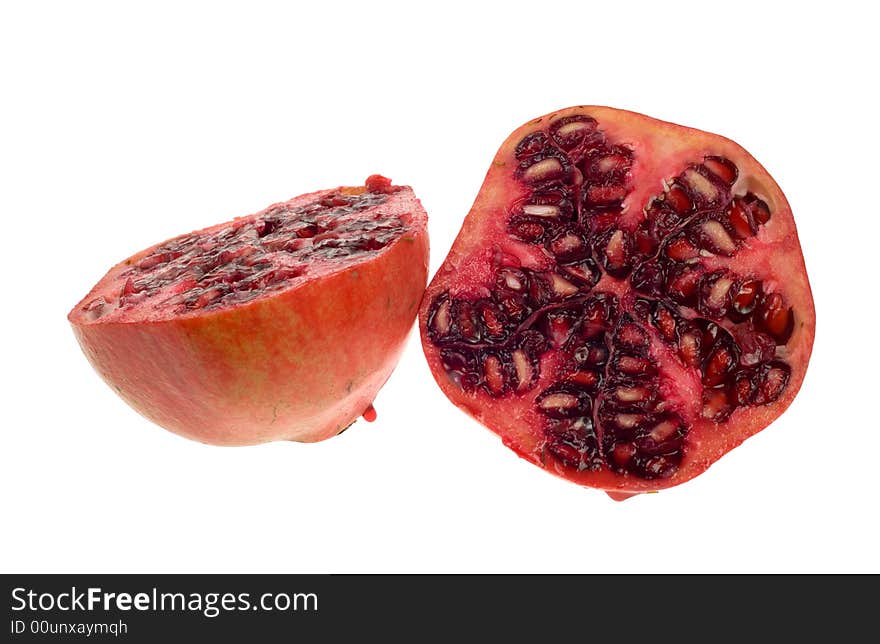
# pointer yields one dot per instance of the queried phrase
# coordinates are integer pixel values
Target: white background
(123, 125)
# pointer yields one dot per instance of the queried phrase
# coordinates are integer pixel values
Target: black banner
(286, 608)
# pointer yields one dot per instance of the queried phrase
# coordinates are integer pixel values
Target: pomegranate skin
(298, 364)
(660, 150)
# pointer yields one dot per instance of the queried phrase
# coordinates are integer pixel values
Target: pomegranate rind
(300, 363)
(661, 150)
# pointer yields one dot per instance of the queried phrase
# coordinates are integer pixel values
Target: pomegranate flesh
(626, 301)
(280, 325)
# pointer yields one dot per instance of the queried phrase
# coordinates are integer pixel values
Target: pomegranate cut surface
(279, 325)
(626, 301)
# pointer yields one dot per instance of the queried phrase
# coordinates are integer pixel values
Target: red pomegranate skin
(660, 152)
(298, 364)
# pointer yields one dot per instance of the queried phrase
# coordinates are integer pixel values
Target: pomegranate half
(282, 325)
(626, 301)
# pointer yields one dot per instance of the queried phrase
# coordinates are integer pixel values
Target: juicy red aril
(720, 362)
(776, 318)
(747, 298)
(722, 168)
(492, 321)
(616, 296)
(616, 255)
(741, 219)
(681, 250)
(494, 374)
(665, 322)
(568, 246)
(571, 132)
(678, 200)
(527, 230)
(564, 402)
(771, 380)
(715, 295)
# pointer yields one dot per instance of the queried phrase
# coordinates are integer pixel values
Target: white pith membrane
(637, 304)
(235, 263)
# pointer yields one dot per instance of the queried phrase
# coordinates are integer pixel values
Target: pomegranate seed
(95, 308)
(553, 197)
(689, 348)
(775, 318)
(514, 280)
(568, 454)
(586, 379)
(629, 421)
(494, 374)
(466, 325)
(539, 210)
(742, 389)
(717, 297)
(267, 226)
(336, 200)
(719, 240)
(773, 382)
(633, 336)
(665, 322)
(586, 272)
(441, 321)
(570, 134)
(207, 297)
(559, 328)
(616, 250)
(634, 366)
(681, 250)
(492, 322)
(722, 168)
(568, 246)
(307, 231)
(156, 259)
(561, 286)
(623, 453)
(598, 355)
(679, 200)
(544, 170)
(513, 306)
(649, 278)
(720, 361)
(745, 300)
(558, 402)
(605, 194)
(740, 216)
(612, 163)
(646, 243)
(663, 430)
(523, 368)
(527, 231)
(129, 288)
(755, 347)
(660, 467)
(377, 183)
(631, 394)
(716, 405)
(532, 144)
(683, 286)
(701, 185)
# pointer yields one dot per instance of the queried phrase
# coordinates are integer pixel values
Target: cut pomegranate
(279, 325)
(653, 308)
